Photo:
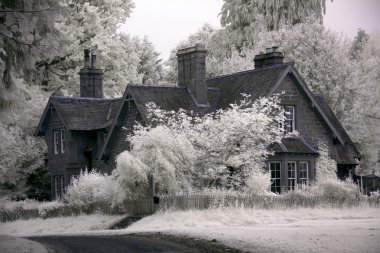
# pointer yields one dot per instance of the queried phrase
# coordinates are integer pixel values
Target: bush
(94, 190)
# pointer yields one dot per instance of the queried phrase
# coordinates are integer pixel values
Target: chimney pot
(93, 59)
(87, 58)
(269, 50)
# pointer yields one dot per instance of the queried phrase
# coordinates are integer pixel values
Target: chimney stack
(91, 77)
(192, 72)
(271, 57)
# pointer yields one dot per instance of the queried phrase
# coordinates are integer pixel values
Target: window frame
(63, 140)
(292, 178)
(56, 187)
(275, 180)
(304, 180)
(290, 123)
(62, 185)
(55, 142)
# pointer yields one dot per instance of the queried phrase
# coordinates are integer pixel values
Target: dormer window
(290, 121)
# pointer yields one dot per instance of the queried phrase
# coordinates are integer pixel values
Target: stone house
(90, 131)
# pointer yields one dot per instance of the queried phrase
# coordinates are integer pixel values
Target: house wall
(308, 123)
(118, 141)
(70, 162)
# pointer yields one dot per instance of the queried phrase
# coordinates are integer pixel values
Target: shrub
(93, 190)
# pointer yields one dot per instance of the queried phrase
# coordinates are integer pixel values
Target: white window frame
(55, 142)
(292, 178)
(63, 138)
(273, 179)
(290, 121)
(304, 180)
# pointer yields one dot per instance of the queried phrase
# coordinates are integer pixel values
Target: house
(90, 131)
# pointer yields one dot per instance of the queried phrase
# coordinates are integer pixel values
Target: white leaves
(184, 151)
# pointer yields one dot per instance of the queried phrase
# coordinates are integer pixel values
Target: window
(59, 141)
(56, 142)
(62, 184)
(290, 119)
(304, 173)
(62, 141)
(292, 173)
(275, 176)
(56, 187)
(59, 186)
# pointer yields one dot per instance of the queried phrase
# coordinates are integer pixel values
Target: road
(128, 243)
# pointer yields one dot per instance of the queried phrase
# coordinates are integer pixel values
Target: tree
(185, 152)
(243, 18)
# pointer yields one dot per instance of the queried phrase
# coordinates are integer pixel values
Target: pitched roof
(345, 153)
(170, 97)
(80, 113)
(296, 145)
(256, 82)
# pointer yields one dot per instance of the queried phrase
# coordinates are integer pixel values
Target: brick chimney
(91, 77)
(271, 57)
(192, 72)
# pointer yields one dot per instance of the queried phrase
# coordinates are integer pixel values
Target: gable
(78, 113)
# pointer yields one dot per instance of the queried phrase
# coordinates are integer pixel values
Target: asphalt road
(128, 243)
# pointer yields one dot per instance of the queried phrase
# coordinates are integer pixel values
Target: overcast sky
(167, 22)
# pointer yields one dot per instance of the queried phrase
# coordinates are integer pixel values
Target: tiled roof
(79, 113)
(296, 145)
(256, 82)
(343, 154)
(170, 97)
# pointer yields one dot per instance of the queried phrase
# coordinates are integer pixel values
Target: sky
(167, 22)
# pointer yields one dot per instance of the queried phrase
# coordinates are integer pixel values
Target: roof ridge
(250, 71)
(84, 98)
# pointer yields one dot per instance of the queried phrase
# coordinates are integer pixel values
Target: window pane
(291, 175)
(63, 140)
(55, 142)
(304, 172)
(290, 118)
(275, 169)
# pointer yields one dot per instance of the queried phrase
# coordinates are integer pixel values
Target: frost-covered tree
(184, 152)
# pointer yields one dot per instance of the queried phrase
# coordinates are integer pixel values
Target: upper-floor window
(290, 121)
(63, 141)
(56, 142)
(59, 141)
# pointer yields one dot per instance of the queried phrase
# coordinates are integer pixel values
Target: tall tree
(244, 18)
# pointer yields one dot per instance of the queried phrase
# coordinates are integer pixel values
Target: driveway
(135, 243)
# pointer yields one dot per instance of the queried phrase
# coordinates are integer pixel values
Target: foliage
(41, 45)
(38, 184)
(94, 189)
(325, 166)
(185, 152)
(343, 71)
(242, 19)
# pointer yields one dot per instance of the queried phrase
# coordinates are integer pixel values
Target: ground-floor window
(304, 173)
(59, 186)
(292, 175)
(275, 172)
